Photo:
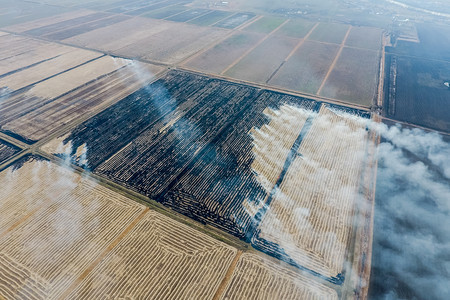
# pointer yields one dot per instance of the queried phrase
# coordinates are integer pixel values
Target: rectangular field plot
(188, 15)
(210, 18)
(36, 112)
(232, 178)
(45, 119)
(7, 151)
(235, 20)
(329, 33)
(258, 278)
(264, 60)
(160, 140)
(17, 53)
(218, 58)
(54, 224)
(265, 24)
(48, 21)
(296, 28)
(47, 29)
(46, 68)
(119, 35)
(307, 68)
(310, 217)
(166, 12)
(159, 259)
(365, 37)
(85, 27)
(354, 78)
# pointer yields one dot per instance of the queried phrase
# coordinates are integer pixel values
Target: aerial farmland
(180, 149)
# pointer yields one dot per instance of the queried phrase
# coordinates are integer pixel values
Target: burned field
(221, 153)
(180, 130)
(7, 151)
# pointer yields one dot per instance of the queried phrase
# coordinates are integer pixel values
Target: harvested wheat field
(55, 224)
(259, 278)
(162, 259)
(43, 120)
(47, 68)
(310, 216)
(56, 87)
(60, 230)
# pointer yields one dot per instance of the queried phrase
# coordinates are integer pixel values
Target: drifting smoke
(411, 251)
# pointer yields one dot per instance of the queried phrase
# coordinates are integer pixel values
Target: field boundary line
(253, 48)
(334, 61)
(232, 14)
(223, 285)
(209, 47)
(380, 98)
(279, 89)
(172, 15)
(299, 44)
(113, 244)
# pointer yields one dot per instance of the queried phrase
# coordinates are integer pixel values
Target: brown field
(216, 59)
(63, 233)
(45, 119)
(44, 252)
(306, 69)
(21, 27)
(354, 78)
(329, 33)
(74, 78)
(259, 278)
(26, 52)
(43, 92)
(296, 28)
(162, 259)
(365, 37)
(47, 69)
(273, 142)
(311, 214)
(265, 59)
(154, 40)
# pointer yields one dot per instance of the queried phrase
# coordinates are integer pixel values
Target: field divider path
(300, 43)
(380, 98)
(254, 47)
(334, 61)
(209, 47)
(103, 254)
(290, 158)
(223, 285)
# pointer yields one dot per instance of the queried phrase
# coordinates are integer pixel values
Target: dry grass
(47, 69)
(259, 278)
(159, 259)
(70, 222)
